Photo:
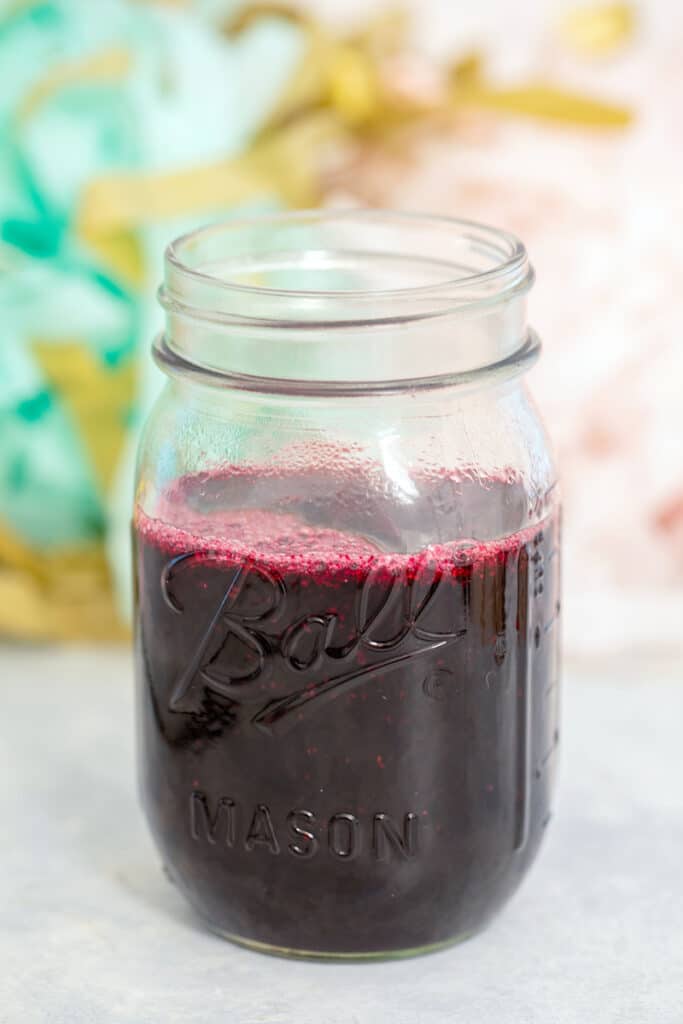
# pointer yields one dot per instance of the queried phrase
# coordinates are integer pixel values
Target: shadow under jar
(347, 575)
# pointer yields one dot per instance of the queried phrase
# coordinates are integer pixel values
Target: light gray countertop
(91, 931)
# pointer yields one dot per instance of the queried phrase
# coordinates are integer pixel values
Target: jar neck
(352, 302)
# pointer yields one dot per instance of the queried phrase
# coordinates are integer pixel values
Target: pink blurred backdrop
(601, 214)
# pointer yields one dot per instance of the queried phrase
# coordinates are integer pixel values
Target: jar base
(291, 953)
(308, 954)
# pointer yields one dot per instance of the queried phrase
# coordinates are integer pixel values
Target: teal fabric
(190, 96)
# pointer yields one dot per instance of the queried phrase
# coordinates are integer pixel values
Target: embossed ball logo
(236, 652)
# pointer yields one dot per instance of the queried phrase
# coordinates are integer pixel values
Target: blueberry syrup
(346, 747)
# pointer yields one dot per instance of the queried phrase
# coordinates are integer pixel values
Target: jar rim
(509, 273)
(418, 300)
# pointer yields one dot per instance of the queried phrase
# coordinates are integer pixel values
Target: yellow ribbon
(599, 29)
(283, 163)
(108, 64)
(547, 102)
(64, 595)
(98, 399)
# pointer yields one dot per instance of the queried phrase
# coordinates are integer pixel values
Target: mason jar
(347, 571)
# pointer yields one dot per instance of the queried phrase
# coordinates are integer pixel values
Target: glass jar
(347, 582)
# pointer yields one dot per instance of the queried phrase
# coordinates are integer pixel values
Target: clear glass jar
(347, 582)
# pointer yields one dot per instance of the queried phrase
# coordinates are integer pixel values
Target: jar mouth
(337, 269)
(346, 301)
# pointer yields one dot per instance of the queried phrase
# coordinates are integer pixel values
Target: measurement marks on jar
(537, 567)
(545, 760)
(552, 685)
(537, 617)
(523, 708)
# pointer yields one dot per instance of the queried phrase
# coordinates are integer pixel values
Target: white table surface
(91, 931)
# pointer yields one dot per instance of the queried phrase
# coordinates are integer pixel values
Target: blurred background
(126, 122)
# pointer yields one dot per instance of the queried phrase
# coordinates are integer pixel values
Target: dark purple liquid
(344, 749)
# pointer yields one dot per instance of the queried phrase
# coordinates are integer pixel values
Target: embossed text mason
(347, 582)
(228, 824)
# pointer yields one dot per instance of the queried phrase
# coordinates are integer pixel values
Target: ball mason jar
(347, 574)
